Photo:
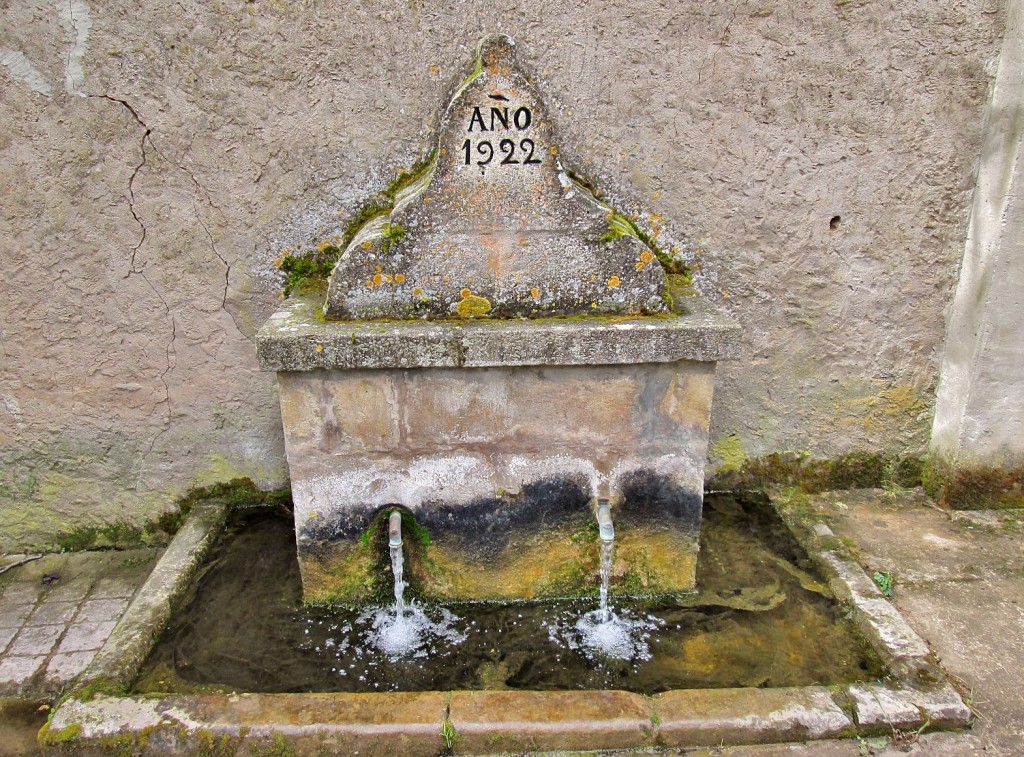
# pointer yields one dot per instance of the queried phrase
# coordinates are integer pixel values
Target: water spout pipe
(604, 521)
(395, 529)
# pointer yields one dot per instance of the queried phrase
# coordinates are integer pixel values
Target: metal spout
(604, 521)
(395, 529)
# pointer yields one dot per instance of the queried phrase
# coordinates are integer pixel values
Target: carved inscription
(500, 134)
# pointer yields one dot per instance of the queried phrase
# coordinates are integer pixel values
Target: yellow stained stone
(472, 306)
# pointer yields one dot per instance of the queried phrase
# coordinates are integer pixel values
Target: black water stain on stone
(654, 498)
(487, 526)
(343, 525)
(482, 527)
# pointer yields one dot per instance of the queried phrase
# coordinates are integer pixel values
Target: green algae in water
(760, 619)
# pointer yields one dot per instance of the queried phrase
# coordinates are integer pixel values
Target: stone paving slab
(57, 612)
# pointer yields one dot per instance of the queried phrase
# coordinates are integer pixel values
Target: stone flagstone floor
(56, 612)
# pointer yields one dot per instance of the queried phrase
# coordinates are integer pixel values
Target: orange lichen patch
(465, 293)
(367, 246)
(535, 293)
(399, 278)
(416, 291)
(388, 278)
(319, 348)
(379, 268)
(614, 281)
(377, 279)
(444, 151)
(646, 258)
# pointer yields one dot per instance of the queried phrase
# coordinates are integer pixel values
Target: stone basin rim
(491, 721)
(296, 338)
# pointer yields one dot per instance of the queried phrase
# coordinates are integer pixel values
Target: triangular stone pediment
(495, 227)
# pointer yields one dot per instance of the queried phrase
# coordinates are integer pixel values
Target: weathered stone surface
(51, 630)
(296, 339)
(745, 716)
(495, 227)
(130, 641)
(979, 409)
(878, 619)
(886, 708)
(488, 722)
(489, 461)
(377, 725)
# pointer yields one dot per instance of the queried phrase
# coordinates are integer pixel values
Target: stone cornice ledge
(296, 338)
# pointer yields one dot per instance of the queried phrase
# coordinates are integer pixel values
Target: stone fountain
(497, 352)
(505, 392)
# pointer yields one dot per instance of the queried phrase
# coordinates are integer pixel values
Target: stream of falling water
(607, 558)
(406, 631)
(602, 633)
(397, 568)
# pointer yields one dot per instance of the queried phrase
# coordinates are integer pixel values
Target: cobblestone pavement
(56, 612)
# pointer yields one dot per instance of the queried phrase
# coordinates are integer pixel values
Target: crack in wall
(131, 181)
(200, 189)
(718, 46)
(77, 21)
(170, 354)
(146, 144)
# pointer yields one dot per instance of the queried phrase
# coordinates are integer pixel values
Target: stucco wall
(156, 158)
(979, 416)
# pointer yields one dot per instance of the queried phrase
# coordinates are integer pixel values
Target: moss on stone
(238, 492)
(49, 737)
(623, 226)
(393, 234)
(211, 745)
(974, 487)
(117, 535)
(90, 690)
(730, 453)
(850, 471)
(278, 747)
(308, 271)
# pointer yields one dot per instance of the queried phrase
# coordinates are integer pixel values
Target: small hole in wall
(834, 223)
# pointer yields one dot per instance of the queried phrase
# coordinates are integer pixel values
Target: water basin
(761, 619)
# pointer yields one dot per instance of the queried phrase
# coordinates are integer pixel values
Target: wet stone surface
(760, 620)
(495, 227)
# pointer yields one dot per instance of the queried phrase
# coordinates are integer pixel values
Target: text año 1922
(512, 151)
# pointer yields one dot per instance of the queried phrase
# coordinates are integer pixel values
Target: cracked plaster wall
(157, 157)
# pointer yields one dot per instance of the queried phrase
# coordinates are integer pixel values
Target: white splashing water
(405, 629)
(603, 634)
